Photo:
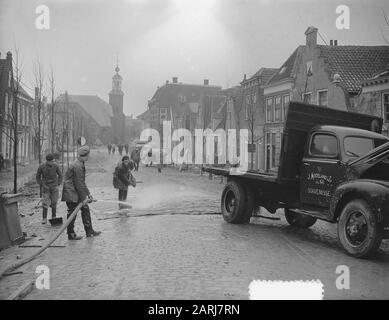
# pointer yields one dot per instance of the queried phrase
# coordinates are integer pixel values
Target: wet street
(174, 244)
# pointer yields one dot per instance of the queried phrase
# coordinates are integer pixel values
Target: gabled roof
(355, 63)
(289, 68)
(96, 107)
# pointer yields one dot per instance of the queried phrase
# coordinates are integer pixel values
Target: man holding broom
(75, 191)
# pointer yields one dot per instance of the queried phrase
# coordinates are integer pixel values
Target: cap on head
(49, 157)
(125, 158)
(83, 151)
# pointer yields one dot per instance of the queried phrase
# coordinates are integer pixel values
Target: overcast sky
(219, 40)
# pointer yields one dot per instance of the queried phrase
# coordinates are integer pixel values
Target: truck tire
(359, 233)
(298, 219)
(233, 203)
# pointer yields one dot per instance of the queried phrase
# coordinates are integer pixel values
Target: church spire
(117, 80)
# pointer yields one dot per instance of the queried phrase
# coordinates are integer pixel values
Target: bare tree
(251, 115)
(53, 105)
(11, 129)
(40, 114)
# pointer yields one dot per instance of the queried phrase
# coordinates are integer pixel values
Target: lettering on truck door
(321, 170)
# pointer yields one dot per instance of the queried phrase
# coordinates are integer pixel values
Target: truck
(333, 166)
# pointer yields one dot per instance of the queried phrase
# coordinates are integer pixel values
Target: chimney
(175, 79)
(331, 43)
(335, 42)
(206, 82)
(9, 55)
(311, 36)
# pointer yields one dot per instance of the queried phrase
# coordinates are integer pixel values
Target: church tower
(116, 101)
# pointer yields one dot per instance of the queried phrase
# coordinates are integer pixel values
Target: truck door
(321, 170)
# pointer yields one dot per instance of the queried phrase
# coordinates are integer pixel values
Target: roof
(24, 93)
(355, 63)
(96, 107)
(191, 91)
(378, 78)
(348, 131)
(144, 115)
(289, 68)
(264, 74)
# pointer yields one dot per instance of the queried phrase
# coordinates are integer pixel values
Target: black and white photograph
(194, 154)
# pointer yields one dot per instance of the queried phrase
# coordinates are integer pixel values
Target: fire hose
(38, 252)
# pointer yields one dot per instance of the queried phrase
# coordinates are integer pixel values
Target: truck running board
(267, 217)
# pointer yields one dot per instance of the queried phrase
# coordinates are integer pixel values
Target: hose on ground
(38, 252)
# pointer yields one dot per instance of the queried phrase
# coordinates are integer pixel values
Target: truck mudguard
(375, 193)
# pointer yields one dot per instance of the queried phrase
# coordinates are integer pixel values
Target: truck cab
(330, 155)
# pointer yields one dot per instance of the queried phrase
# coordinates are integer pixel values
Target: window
(277, 109)
(272, 148)
(309, 68)
(322, 98)
(307, 97)
(163, 114)
(385, 99)
(9, 79)
(324, 145)
(285, 105)
(357, 146)
(269, 109)
(6, 106)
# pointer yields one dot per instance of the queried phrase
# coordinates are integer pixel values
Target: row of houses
(62, 122)
(352, 78)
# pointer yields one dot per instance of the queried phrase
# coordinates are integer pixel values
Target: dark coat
(122, 177)
(74, 186)
(49, 175)
(135, 155)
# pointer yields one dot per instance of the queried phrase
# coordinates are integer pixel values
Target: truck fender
(374, 193)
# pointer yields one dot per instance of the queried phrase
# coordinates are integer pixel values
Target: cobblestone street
(174, 244)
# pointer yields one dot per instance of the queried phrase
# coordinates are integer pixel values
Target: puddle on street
(145, 201)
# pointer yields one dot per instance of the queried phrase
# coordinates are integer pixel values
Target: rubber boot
(44, 215)
(53, 212)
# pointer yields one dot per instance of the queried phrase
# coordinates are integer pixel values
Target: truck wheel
(298, 219)
(358, 230)
(233, 204)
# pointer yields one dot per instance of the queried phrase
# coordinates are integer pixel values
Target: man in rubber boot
(49, 177)
(122, 179)
(75, 191)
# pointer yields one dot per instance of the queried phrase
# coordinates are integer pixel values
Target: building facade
(25, 111)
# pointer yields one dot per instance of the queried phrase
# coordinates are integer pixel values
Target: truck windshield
(358, 146)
